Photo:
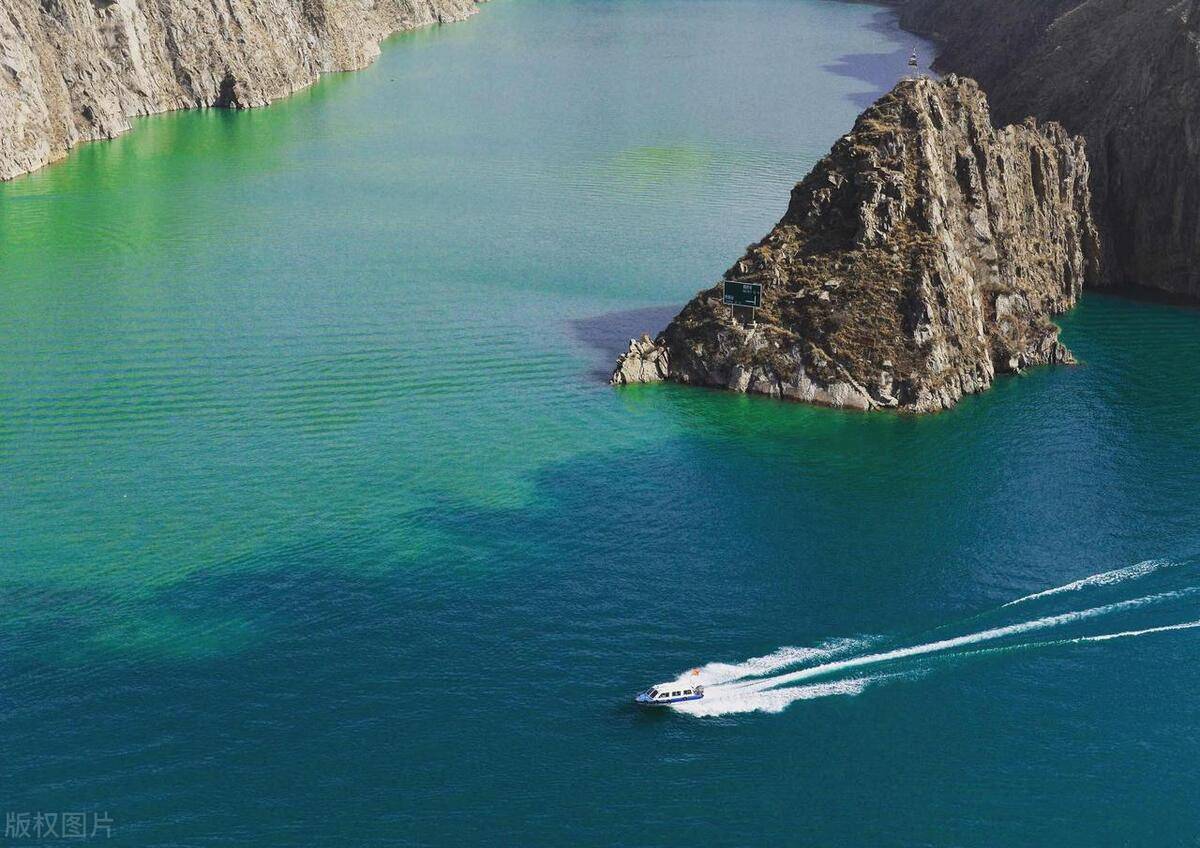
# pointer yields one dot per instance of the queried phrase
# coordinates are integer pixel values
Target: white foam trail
(754, 685)
(726, 701)
(1107, 578)
(1104, 637)
(786, 657)
(1100, 637)
(956, 642)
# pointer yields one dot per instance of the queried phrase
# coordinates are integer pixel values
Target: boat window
(652, 693)
(676, 694)
(687, 691)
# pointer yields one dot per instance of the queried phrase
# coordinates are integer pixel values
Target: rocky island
(922, 257)
(78, 70)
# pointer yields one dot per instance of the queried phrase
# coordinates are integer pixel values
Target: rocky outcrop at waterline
(1125, 74)
(78, 70)
(922, 257)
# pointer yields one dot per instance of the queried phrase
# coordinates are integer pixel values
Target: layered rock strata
(922, 257)
(1125, 74)
(78, 70)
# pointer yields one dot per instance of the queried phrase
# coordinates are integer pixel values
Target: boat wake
(772, 682)
(1105, 578)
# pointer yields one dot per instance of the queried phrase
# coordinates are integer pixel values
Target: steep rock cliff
(78, 70)
(1125, 75)
(920, 258)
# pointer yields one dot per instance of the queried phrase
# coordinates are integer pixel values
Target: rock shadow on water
(881, 70)
(607, 336)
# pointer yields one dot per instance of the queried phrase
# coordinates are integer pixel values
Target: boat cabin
(671, 693)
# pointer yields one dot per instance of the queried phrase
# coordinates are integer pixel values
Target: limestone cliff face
(78, 70)
(920, 258)
(1123, 73)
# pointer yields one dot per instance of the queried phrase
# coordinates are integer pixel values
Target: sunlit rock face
(922, 257)
(78, 70)
(1125, 74)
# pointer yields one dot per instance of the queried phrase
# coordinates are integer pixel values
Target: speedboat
(670, 693)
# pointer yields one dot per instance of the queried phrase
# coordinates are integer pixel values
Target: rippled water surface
(318, 524)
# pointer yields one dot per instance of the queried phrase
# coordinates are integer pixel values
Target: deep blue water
(319, 524)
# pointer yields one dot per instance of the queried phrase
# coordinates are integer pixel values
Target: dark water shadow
(607, 336)
(882, 70)
(1145, 294)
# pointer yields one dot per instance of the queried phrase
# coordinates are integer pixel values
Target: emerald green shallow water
(318, 523)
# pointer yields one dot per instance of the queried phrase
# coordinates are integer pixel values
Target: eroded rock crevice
(1125, 74)
(78, 70)
(922, 257)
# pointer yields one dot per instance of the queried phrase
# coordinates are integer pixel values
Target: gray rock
(951, 242)
(644, 362)
(1125, 74)
(78, 70)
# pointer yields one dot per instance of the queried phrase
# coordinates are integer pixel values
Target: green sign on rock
(743, 294)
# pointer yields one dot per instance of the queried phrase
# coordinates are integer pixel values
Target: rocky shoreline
(77, 70)
(919, 259)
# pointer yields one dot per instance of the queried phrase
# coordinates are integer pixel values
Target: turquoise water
(320, 525)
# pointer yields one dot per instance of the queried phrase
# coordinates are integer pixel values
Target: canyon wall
(1123, 73)
(78, 70)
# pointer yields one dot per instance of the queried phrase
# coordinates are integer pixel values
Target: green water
(321, 526)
